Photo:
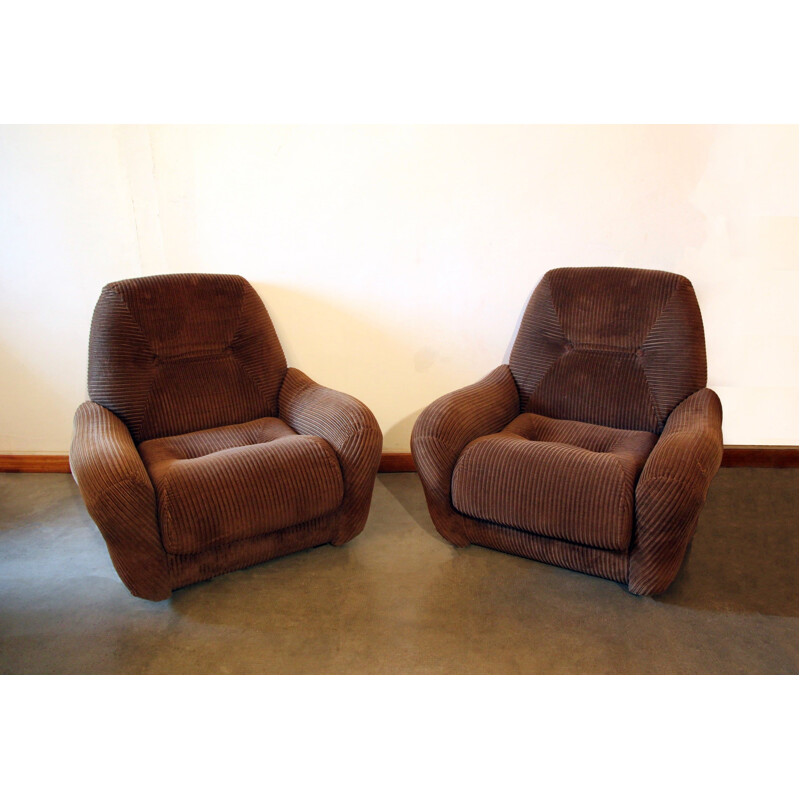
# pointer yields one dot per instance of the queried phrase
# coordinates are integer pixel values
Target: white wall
(396, 261)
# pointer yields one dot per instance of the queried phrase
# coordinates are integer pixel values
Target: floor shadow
(744, 555)
(400, 599)
(407, 490)
(743, 558)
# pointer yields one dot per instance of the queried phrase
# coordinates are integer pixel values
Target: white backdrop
(396, 260)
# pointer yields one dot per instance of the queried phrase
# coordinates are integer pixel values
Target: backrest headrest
(176, 353)
(611, 346)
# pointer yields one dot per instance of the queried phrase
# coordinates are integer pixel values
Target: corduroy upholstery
(594, 448)
(200, 452)
(212, 491)
(558, 478)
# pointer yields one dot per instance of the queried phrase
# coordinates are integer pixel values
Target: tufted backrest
(611, 346)
(170, 354)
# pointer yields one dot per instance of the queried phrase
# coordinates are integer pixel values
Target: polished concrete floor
(399, 599)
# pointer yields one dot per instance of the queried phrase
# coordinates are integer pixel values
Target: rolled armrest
(672, 489)
(120, 499)
(447, 426)
(351, 430)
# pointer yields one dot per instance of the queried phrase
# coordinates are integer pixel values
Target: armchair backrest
(170, 354)
(612, 346)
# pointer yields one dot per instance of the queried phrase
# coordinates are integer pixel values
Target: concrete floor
(399, 599)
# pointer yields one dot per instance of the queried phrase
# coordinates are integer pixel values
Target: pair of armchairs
(200, 452)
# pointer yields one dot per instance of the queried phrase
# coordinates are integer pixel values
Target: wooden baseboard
(775, 456)
(747, 455)
(396, 462)
(390, 462)
(34, 463)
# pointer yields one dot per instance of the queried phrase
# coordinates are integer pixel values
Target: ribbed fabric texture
(614, 347)
(185, 570)
(672, 490)
(189, 369)
(120, 499)
(210, 495)
(159, 455)
(623, 350)
(171, 354)
(352, 432)
(602, 563)
(446, 427)
(562, 479)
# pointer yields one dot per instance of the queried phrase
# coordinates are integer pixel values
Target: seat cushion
(224, 484)
(559, 478)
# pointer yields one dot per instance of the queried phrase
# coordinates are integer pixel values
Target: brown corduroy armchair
(594, 448)
(200, 452)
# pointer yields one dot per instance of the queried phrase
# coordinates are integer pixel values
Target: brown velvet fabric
(187, 569)
(622, 350)
(672, 490)
(246, 460)
(159, 455)
(562, 479)
(445, 428)
(213, 490)
(353, 433)
(614, 347)
(169, 354)
(610, 564)
(120, 499)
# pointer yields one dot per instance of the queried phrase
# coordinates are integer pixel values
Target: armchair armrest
(120, 499)
(672, 489)
(447, 426)
(350, 429)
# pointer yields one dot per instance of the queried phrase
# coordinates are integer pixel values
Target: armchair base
(462, 531)
(609, 564)
(185, 570)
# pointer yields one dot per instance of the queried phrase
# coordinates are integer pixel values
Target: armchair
(199, 451)
(594, 448)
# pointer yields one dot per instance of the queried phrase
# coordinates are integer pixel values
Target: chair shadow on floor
(743, 558)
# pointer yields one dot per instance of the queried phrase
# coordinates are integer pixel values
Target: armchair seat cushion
(236, 482)
(563, 479)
